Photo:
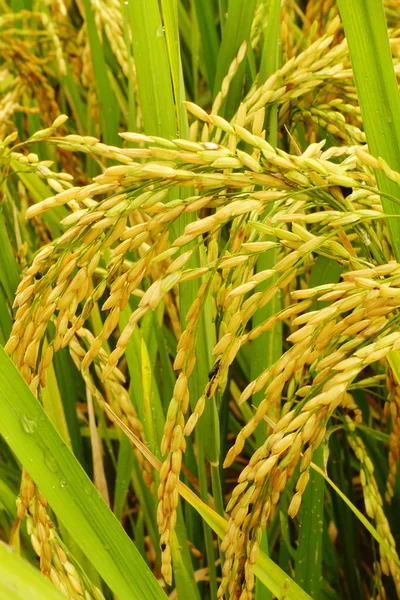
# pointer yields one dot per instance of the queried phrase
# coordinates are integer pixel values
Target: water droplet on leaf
(28, 425)
(51, 463)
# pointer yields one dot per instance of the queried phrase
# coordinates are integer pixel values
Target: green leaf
(309, 550)
(209, 37)
(19, 580)
(69, 491)
(124, 470)
(170, 17)
(107, 103)
(381, 541)
(378, 94)
(9, 273)
(236, 31)
(152, 67)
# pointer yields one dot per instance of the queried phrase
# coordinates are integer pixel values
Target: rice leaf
(70, 492)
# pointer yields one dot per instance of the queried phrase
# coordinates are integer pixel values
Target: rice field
(199, 299)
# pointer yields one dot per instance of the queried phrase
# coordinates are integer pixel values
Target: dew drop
(28, 425)
(160, 31)
(51, 463)
(63, 483)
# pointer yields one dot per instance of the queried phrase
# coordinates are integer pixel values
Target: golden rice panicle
(227, 347)
(393, 408)
(228, 78)
(53, 560)
(55, 288)
(297, 430)
(377, 582)
(41, 532)
(67, 575)
(173, 442)
(374, 508)
(349, 403)
(273, 381)
(156, 293)
(109, 18)
(260, 486)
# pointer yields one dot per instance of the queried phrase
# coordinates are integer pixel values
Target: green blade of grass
(9, 274)
(167, 373)
(20, 580)
(5, 318)
(370, 528)
(8, 499)
(75, 101)
(146, 502)
(71, 494)
(108, 105)
(9, 279)
(378, 94)
(170, 18)
(152, 67)
(150, 405)
(124, 470)
(192, 64)
(394, 361)
(132, 108)
(236, 31)
(72, 390)
(309, 550)
(144, 389)
(52, 404)
(348, 527)
(209, 37)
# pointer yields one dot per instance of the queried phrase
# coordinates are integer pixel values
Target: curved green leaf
(76, 502)
(19, 580)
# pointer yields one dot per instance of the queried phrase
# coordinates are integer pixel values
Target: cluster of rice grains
(55, 562)
(333, 347)
(122, 239)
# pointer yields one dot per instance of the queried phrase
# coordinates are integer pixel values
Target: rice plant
(199, 299)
